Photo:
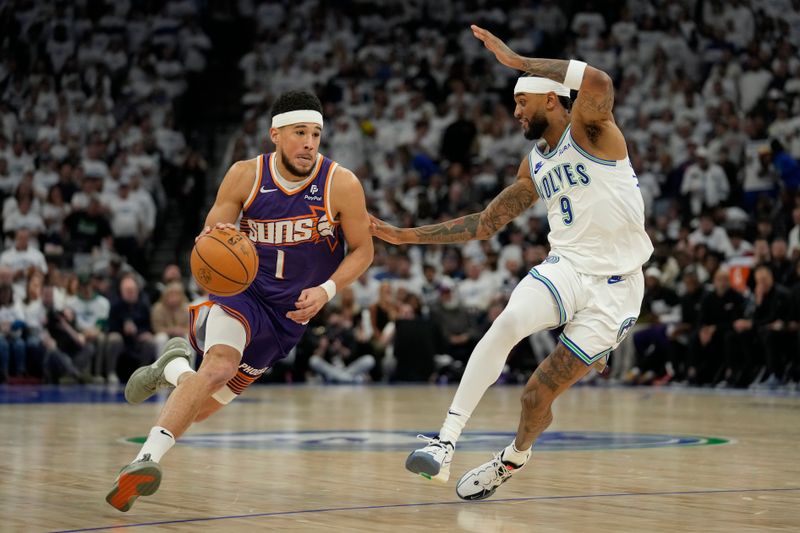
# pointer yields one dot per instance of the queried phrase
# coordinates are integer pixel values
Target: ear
(273, 135)
(550, 101)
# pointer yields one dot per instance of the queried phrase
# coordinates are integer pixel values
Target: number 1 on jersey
(566, 210)
(279, 265)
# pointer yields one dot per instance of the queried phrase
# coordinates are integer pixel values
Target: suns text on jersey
(288, 231)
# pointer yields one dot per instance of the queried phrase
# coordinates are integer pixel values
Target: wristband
(574, 76)
(330, 288)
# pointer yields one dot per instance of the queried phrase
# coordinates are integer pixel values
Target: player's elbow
(365, 251)
(369, 252)
(597, 81)
(484, 234)
(486, 227)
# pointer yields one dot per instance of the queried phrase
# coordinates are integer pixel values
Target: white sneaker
(433, 461)
(481, 482)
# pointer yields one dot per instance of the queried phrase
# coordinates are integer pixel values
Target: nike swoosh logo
(614, 279)
(537, 167)
(449, 412)
(268, 190)
(167, 434)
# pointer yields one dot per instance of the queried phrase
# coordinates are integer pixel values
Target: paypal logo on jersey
(563, 177)
(312, 197)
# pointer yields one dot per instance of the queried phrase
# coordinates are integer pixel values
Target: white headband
(531, 84)
(296, 117)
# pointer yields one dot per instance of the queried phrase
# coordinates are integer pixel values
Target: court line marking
(428, 504)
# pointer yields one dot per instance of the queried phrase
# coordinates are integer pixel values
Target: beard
(536, 126)
(293, 169)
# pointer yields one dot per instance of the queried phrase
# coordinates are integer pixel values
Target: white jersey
(594, 207)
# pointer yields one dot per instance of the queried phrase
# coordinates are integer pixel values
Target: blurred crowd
(90, 158)
(707, 94)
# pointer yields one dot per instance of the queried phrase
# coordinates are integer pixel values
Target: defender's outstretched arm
(508, 205)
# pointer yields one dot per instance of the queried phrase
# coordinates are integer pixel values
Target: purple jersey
(299, 246)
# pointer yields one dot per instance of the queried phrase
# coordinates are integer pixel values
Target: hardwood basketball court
(313, 458)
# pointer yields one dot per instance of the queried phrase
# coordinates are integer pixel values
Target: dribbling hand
(218, 225)
(308, 304)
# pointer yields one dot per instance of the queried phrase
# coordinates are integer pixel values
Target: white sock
(157, 444)
(453, 425)
(175, 369)
(515, 456)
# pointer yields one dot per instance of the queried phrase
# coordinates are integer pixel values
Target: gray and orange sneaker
(148, 380)
(140, 478)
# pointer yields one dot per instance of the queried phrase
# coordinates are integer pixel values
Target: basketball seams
(221, 265)
(197, 259)
(208, 265)
(228, 248)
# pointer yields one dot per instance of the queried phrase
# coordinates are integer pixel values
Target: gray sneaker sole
(144, 382)
(138, 479)
(423, 464)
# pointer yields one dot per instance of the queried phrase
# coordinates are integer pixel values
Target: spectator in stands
(12, 347)
(718, 310)
(756, 350)
(69, 355)
(23, 256)
(91, 319)
(169, 316)
(459, 328)
(130, 329)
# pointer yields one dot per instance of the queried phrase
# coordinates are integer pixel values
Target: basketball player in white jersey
(592, 280)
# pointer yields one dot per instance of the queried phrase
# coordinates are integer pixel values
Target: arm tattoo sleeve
(554, 69)
(512, 201)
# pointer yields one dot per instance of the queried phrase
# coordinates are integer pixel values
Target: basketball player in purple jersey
(300, 209)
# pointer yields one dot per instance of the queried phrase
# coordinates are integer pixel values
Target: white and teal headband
(297, 117)
(536, 85)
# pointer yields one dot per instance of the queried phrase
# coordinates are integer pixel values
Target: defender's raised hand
(503, 53)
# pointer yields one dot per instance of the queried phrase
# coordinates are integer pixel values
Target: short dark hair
(296, 101)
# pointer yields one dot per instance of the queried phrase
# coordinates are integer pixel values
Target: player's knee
(509, 326)
(534, 399)
(220, 364)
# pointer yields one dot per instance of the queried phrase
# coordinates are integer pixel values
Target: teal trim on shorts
(583, 356)
(562, 313)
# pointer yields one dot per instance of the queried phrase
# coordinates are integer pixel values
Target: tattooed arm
(512, 201)
(592, 120)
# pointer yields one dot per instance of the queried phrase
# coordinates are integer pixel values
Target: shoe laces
(435, 442)
(497, 469)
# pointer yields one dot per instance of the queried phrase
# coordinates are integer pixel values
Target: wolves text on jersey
(563, 176)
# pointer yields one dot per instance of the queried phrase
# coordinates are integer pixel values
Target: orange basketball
(224, 262)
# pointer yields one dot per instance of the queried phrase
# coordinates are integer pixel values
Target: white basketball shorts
(598, 311)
